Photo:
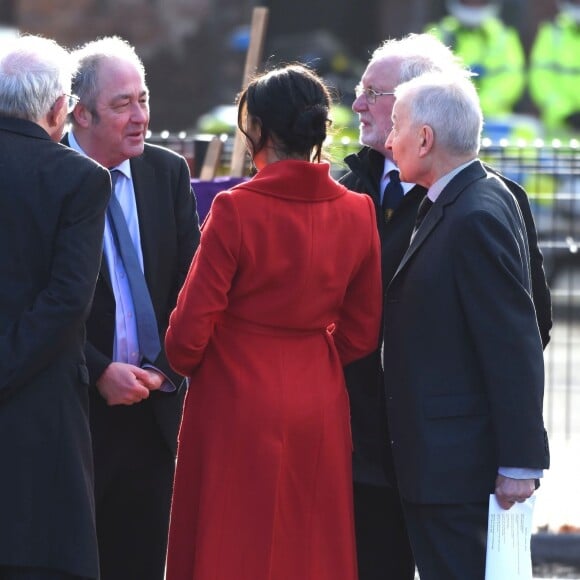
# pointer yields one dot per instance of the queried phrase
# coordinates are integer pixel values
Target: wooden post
(253, 58)
(211, 159)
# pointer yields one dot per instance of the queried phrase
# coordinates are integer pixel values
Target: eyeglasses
(71, 102)
(370, 94)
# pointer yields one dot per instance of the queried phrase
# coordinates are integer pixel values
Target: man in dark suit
(465, 376)
(52, 205)
(382, 542)
(136, 398)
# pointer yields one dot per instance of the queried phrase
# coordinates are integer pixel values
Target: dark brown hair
(291, 105)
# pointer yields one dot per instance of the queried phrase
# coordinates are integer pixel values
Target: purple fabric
(205, 191)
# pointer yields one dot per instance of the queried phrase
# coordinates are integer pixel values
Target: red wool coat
(283, 291)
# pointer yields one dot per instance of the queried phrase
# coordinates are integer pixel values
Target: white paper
(509, 534)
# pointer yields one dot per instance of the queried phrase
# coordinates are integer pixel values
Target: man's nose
(360, 104)
(139, 114)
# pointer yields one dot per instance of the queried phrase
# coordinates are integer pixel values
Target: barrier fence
(550, 173)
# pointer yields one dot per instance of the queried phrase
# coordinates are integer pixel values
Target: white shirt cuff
(521, 473)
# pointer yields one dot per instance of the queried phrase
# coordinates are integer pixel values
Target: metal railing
(550, 173)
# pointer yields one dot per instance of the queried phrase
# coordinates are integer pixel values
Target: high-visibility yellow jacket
(555, 71)
(495, 53)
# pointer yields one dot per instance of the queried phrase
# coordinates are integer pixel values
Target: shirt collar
(124, 167)
(436, 189)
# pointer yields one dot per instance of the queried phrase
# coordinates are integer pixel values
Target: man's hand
(508, 491)
(154, 379)
(123, 384)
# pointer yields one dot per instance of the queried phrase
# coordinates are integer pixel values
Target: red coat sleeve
(357, 331)
(204, 295)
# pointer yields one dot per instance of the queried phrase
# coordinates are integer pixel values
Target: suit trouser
(448, 540)
(133, 485)
(26, 573)
(383, 549)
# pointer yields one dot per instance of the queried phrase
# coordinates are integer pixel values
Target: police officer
(492, 50)
(555, 71)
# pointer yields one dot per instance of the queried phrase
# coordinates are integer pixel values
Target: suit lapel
(144, 184)
(436, 214)
(432, 219)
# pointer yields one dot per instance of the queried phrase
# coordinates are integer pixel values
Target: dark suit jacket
(540, 289)
(169, 232)
(372, 462)
(52, 203)
(462, 347)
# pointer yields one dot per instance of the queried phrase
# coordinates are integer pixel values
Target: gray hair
(419, 54)
(449, 105)
(90, 56)
(34, 73)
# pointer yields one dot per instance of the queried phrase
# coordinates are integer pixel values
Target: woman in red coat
(283, 291)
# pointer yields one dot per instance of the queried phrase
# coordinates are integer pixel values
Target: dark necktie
(424, 207)
(392, 195)
(149, 344)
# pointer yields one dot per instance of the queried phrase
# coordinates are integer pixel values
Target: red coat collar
(296, 180)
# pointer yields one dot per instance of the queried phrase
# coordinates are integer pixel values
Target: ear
(82, 115)
(55, 119)
(426, 140)
(58, 112)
